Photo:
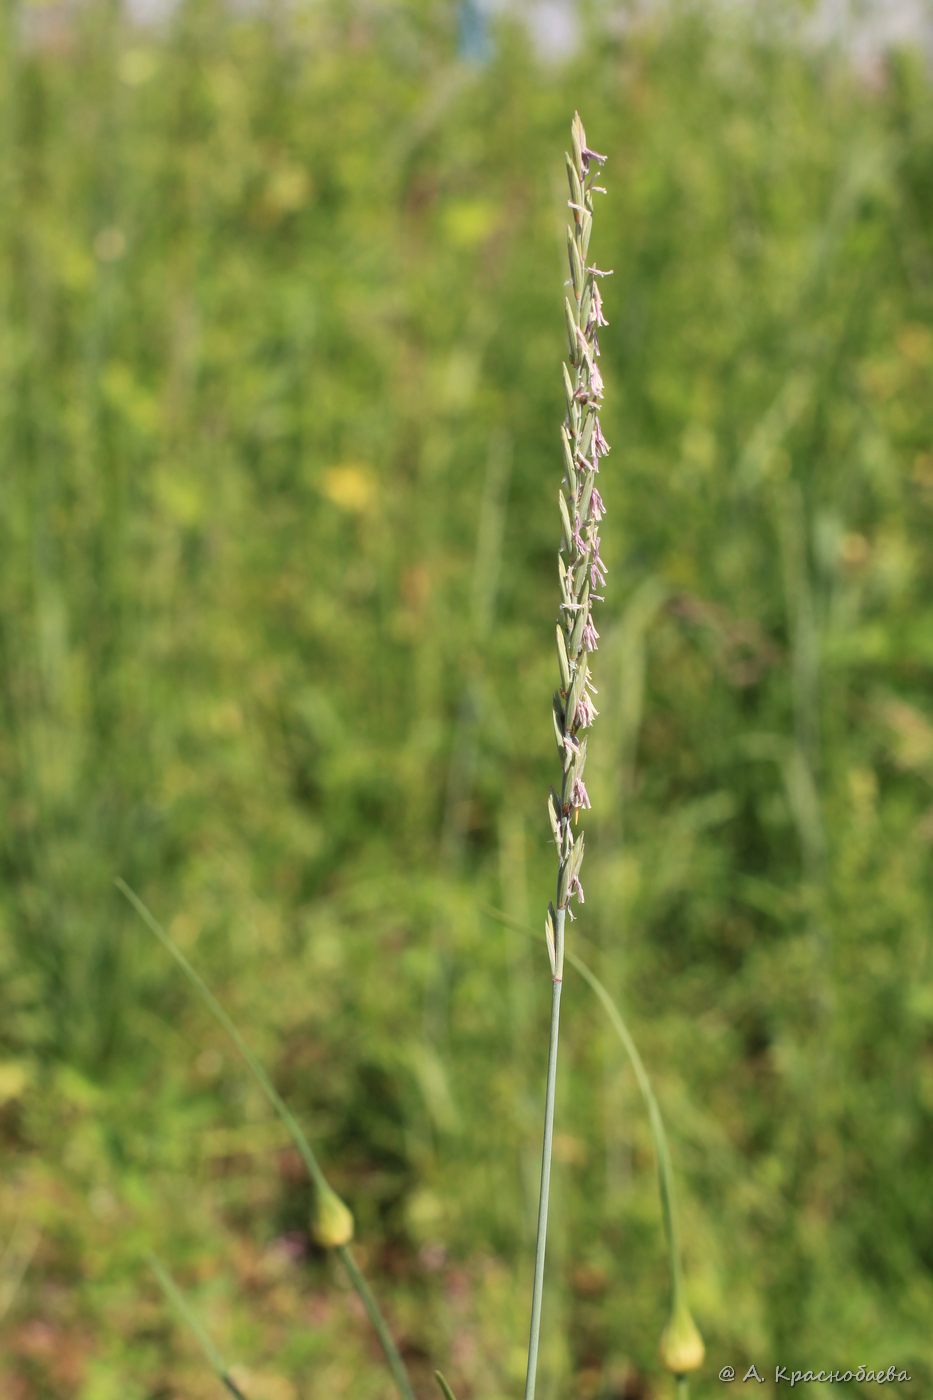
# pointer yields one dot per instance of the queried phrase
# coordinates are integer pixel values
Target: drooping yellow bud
(332, 1224)
(682, 1348)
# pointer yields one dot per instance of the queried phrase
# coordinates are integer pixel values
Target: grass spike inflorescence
(582, 574)
(582, 571)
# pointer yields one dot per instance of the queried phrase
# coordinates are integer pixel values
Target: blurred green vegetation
(279, 398)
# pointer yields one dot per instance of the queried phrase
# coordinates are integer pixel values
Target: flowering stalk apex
(582, 571)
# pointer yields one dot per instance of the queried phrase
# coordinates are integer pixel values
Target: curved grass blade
(220, 1015)
(181, 1306)
(443, 1387)
(325, 1192)
(682, 1347)
(662, 1150)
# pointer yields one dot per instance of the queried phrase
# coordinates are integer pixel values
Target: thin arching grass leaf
(327, 1199)
(658, 1133)
(186, 1313)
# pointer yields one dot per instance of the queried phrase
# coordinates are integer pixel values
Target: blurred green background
(279, 402)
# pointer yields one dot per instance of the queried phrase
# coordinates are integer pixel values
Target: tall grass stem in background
(582, 574)
(332, 1226)
(211, 1355)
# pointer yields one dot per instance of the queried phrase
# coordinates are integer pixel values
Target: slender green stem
(546, 1153)
(681, 1342)
(668, 1200)
(390, 1350)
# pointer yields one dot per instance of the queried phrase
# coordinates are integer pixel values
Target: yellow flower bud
(682, 1348)
(332, 1225)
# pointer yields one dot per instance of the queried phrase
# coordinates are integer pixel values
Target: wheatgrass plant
(582, 574)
